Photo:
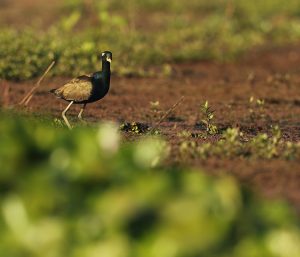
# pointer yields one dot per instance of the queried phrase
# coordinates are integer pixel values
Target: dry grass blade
(29, 95)
(5, 95)
(167, 113)
(28, 99)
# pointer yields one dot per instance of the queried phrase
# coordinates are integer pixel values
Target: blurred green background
(143, 35)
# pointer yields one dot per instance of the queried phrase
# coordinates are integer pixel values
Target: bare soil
(25, 13)
(269, 74)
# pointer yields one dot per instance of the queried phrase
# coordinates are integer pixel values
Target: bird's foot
(67, 122)
(69, 126)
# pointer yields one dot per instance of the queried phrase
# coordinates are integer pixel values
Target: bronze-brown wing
(78, 89)
(82, 78)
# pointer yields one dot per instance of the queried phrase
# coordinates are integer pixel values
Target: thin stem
(168, 112)
(29, 95)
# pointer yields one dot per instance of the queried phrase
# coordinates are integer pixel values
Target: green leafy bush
(83, 193)
(173, 31)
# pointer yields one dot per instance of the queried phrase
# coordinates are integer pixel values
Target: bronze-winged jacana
(86, 88)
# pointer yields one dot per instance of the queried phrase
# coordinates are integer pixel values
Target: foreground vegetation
(144, 34)
(84, 193)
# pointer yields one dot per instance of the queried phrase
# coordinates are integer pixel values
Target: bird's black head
(106, 56)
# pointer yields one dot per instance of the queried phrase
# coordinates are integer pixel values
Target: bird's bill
(108, 59)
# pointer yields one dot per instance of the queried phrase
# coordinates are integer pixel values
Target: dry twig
(29, 95)
(167, 113)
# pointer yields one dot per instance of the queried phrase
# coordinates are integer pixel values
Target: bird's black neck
(106, 71)
(105, 77)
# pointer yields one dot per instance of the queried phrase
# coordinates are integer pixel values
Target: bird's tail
(56, 92)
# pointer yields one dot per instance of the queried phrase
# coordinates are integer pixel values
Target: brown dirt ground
(24, 13)
(269, 74)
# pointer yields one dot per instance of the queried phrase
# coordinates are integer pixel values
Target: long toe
(68, 125)
(67, 122)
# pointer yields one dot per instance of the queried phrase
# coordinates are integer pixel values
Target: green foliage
(233, 144)
(135, 127)
(24, 55)
(266, 147)
(83, 193)
(207, 120)
(256, 108)
(167, 31)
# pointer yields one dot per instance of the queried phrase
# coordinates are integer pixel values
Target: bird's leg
(64, 115)
(81, 111)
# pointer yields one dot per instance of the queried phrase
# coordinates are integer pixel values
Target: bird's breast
(99, 90)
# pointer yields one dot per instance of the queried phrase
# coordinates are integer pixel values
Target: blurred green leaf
(83, 193)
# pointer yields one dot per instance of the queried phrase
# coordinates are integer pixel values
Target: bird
(86, 88)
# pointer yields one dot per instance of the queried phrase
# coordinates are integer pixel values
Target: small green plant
(58, 123)
(228, 146)
(264, 146)
(156, 111)
(154, 105)
(135, 127)
(233, 144)
(256, 108)
(207, 120)
(291, 150)
(184, 134)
